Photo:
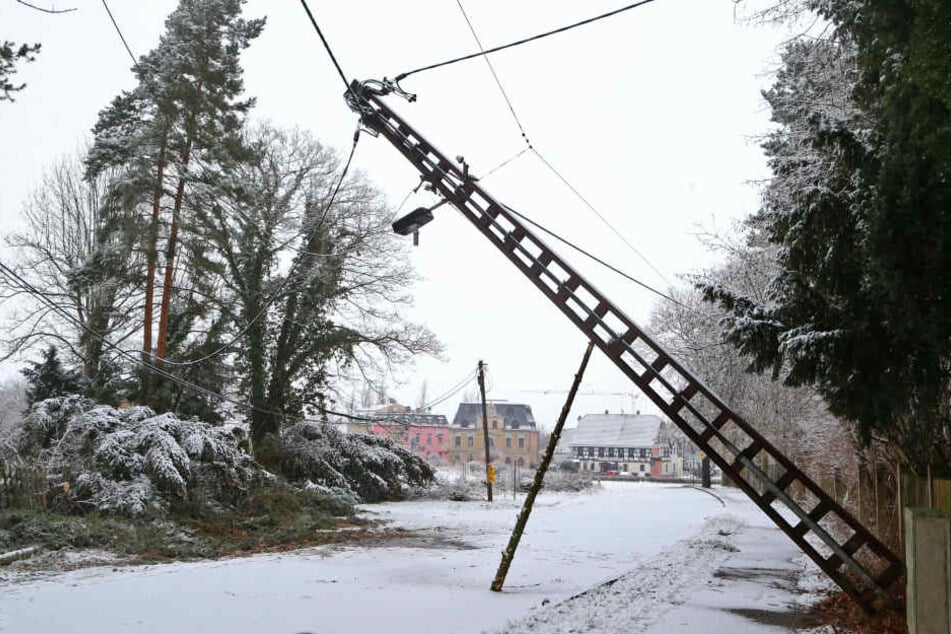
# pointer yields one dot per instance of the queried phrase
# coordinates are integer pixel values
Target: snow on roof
(410, 418)
(564, 443)
(514, 415)
(616, 430)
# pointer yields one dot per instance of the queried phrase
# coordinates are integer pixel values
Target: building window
(495, 424)
(439, 438)
(591, 452)
(469, 441)
(642, 467)
(600, 452)
(631, 453)
(521, 443)
(429, 439)
(458, 441)
(491, 441)
(508, 442)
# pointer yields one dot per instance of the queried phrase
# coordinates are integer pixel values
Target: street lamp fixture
(413, 221)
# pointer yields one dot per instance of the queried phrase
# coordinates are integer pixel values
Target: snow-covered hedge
(133, 462)
(371, 467)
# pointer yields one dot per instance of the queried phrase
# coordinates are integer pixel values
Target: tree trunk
(161, 345)
(151, 255)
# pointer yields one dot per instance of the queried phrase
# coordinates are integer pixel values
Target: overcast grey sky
(651, 114)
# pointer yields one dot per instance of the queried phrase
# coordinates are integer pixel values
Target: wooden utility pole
(485, 431)
(509, 553)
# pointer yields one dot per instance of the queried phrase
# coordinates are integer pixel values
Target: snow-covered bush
(133, 462)
(371, 467)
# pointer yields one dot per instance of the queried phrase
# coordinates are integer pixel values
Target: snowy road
(667, 543)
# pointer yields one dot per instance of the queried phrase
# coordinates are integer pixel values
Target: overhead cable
(495, 75)
(588, 204)
(545, 161)
(587, 254)
(526, 40)
(121, 36)
(333, 58)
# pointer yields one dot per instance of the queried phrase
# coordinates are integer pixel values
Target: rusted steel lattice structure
(861, 564)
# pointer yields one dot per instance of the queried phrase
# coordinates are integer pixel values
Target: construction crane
(630, 395)
(860, 563)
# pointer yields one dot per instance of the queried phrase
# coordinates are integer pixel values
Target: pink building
(426, 435)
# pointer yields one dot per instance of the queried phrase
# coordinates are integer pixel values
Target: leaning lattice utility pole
(485, 433)
(509, 553)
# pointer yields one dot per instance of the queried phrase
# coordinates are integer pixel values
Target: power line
(592, 256)
(495, 75)
(545, 161)
(458, 387)
(588, 204)
(44, 10)
(526, 40)
(333, 58)
(506, 162)
(121, 36)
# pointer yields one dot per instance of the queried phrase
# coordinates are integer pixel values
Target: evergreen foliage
(859, 208)
(173, 135)
(10, 56)
(49, 378)
(221, 240)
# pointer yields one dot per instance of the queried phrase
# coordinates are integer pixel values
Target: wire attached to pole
(593, 257)
(526, 40)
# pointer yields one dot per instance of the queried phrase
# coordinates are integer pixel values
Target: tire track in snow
(636, 600)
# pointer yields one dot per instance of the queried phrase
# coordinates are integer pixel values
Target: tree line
(188, 253)
(828, 322)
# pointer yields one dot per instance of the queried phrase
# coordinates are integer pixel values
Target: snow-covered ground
(631, 557)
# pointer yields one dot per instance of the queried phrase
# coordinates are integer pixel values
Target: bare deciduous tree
(75, 254)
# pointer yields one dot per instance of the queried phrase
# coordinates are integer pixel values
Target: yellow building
(513, 436)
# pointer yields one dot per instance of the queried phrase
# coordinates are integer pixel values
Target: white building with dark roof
(639, 444)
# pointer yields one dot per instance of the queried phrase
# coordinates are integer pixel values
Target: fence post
(928, 564)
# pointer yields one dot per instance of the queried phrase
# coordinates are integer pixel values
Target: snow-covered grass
(680, 561)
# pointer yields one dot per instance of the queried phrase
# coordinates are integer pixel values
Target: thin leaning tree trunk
(509, 553)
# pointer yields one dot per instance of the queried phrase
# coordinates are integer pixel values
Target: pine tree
(10, 56)
(174, 132)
